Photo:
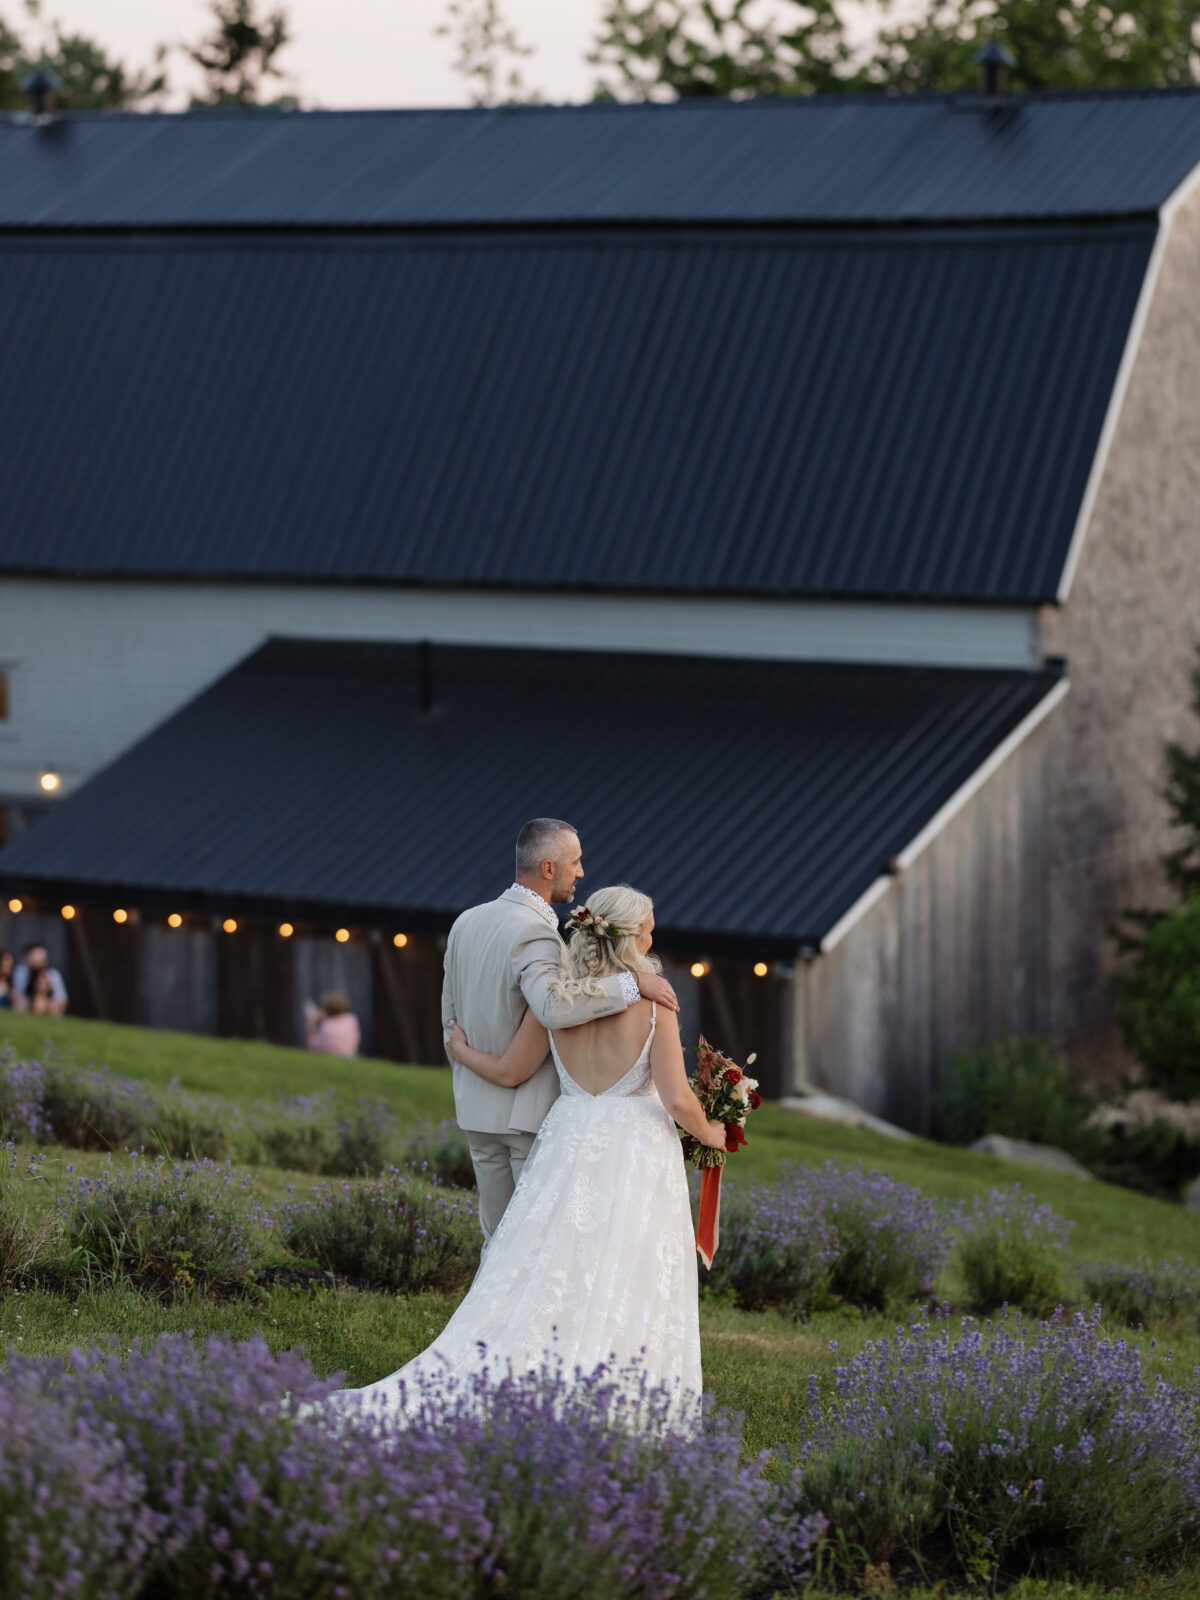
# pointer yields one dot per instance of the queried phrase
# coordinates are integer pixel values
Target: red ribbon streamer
(708, 1230)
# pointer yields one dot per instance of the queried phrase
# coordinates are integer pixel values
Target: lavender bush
(1145, 1296)
(90, 1108)
(167, 1223)
(891, 1240)
(73, 1523)
(393, 1233)
(442, 1151)
(25, 1231)
(307, 1133)
(1012, 1252)
(1014, 1448)
(23, 1099)
(777, 1248)
(538, 1487)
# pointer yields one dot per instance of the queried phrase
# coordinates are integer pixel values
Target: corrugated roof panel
(872, 158)
(678, 773)
(887, 414)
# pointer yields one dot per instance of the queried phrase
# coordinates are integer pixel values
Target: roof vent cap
(997, 63)
(41, 86)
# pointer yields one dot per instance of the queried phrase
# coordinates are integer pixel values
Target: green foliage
(443, 1151)
(1011, 1250)
(1159, 1158)
(487, 52)
(393, 1233)
(308, 1133)
(1016, 1087)
(91, 79)
(662, 49)
(1182, 795)
(1158, 1001)
(238, 55)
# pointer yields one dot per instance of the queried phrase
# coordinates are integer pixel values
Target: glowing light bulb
(68, 912)
(120, 916)
(174, 920)
(49, 781)
(230, 925)
(286, 930)
(342, 935)
(399, 940)
(761, 969)
(699, 968)
(14, 906)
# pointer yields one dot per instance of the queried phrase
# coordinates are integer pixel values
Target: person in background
(332, 1026)
(7, 963)
(36, 958)
(39, 997)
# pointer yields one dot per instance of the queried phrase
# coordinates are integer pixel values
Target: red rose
(734, 1136)
(732, 1075)
(755, 1100)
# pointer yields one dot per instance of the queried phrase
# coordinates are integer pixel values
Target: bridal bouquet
(728, 1096)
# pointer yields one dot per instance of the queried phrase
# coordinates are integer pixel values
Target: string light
(14, 906)
(120, 916)
(286, 930)
(49, 781)
(399, 940)
(68, 912)
(761, 969)
(342, 935)
(699, 969)
(174, 920)
(229, 925)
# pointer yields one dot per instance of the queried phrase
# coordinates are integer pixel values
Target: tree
(1058, 44)
(1182, 794)
(239, 54)
(488, 50)
(90, 78)
(664, 49)
(1158, 1001)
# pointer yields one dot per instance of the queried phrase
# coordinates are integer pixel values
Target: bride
(594, 1261)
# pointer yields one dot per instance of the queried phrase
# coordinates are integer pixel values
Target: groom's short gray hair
(536, 842)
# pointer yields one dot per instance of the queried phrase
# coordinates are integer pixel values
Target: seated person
(36, 958)
(332, 1026)
(39, 997)
(7, 963)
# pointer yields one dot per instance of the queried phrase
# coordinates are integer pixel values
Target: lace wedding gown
(593, 1261)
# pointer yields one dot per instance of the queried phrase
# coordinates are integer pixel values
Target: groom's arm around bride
(501, 958)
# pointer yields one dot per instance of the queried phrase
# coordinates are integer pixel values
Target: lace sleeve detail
(629, 989)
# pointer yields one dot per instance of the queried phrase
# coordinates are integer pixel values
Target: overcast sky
(357, 52)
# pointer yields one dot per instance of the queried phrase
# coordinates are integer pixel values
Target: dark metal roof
(754, 801)
(872, 158)
(903, 413)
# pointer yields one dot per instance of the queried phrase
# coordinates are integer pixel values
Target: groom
(502, 957)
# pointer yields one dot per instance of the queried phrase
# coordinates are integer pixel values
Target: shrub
(1011, 1249)
(536, 1487)
(1017, 1087)
(1146, 1296)
(72, 1521)
(89, 1108)
(1157, 1158)
(1158, 1001)
(891, 1241)
(777, 1249)
(443, 1151)
(1015, 1448)
(166, 1222)
(393, 1233)
(195, 1127)
(307, 1133)
(22, 1099)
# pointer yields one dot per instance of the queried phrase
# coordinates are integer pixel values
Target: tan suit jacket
(500, 959)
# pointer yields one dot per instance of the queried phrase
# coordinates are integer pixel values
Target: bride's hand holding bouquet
(727, 1096)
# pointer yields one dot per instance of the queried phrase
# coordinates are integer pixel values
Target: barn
(799, 496)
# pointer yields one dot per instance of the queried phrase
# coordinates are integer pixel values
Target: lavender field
(904, 1428)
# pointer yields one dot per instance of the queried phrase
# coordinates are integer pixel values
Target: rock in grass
(1027, 1154)
(829, 1108)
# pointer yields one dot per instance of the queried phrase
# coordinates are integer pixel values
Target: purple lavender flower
(1012, 1249)
(22, 1099)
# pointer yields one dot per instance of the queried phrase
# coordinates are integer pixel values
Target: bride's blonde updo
(592, 955)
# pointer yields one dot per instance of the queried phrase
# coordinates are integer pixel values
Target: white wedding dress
(594, 1261)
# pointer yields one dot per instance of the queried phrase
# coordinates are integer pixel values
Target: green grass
(757, 1363)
